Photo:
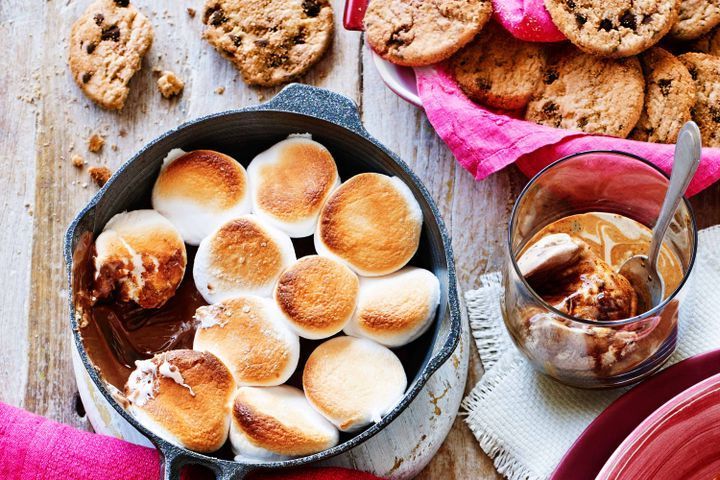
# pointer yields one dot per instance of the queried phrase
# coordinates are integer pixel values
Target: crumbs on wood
(100, 175)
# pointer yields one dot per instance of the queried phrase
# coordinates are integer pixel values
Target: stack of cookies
(612, 78)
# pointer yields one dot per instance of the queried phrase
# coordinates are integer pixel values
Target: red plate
(603, 436)
(681, 439)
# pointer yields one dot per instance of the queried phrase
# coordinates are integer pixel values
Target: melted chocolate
(116, 334)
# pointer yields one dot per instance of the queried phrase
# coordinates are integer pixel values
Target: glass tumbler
(576, 351)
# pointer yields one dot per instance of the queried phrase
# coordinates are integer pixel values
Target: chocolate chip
(111, 33)
(311, 8)
(299, 39)
(550, 108)
(90, 47)
(122, 3)
(664, 84)
(628, 20)
(209, 15)
(606, 25)
(275, 60)
(86, 77)
(397, 38)
(715, 114)
(582, 122)
(262, 43)
(693, 72)
(647, 19)
(550, 77)
(581, 20)
(218, 18)
(236, 39)
(483, 84)
(209, 11)
(99, 19)
(570, 4)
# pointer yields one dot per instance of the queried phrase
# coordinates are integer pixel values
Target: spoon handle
(687, 159)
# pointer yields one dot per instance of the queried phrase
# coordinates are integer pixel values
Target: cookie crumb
(123, 132)
(100, 175)
(114, 147)
(191, 12)
(169, 84)
(220, 90)
(77, 160)
(95, 143)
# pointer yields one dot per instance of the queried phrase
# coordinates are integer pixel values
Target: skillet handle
(171, 462)
(173, 459)
(317, 102)
(234, 471)
(354, 14)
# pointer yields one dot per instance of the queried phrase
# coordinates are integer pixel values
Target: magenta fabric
(484, 141)
(527, 20)
(35, 448)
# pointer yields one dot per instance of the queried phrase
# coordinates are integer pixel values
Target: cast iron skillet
(334, 121)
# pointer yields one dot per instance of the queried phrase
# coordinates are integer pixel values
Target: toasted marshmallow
(290, 183)
(200, 190)
(372, 222)
(141, 256)
(244, 256)
(183, 396)
(317, 295)
(277, 423)
(249, 334)
(396, 309)
(353, 382)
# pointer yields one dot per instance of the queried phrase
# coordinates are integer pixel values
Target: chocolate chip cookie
(270, 42)
(423, 32)
(589, 93)
(614, 28)
(705, 72)
(498, 70)
(697, 17)
(669, 97)
(708, 43)
(107, 44)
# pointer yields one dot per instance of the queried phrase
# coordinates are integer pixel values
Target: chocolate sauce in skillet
(116, 334)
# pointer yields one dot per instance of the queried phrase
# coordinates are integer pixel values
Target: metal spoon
(640, 270)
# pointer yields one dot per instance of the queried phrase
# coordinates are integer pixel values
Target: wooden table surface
(44, 119)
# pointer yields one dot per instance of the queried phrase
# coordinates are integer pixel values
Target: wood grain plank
(18, 124)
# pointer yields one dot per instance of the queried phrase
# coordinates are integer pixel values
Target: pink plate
(603, 436)
(680, 440)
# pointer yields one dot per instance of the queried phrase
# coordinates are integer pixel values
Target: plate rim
(654, 392)
(641, 435)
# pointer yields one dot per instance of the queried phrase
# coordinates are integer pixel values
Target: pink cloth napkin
(35, 448)
(527, 20)
(485, 142)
